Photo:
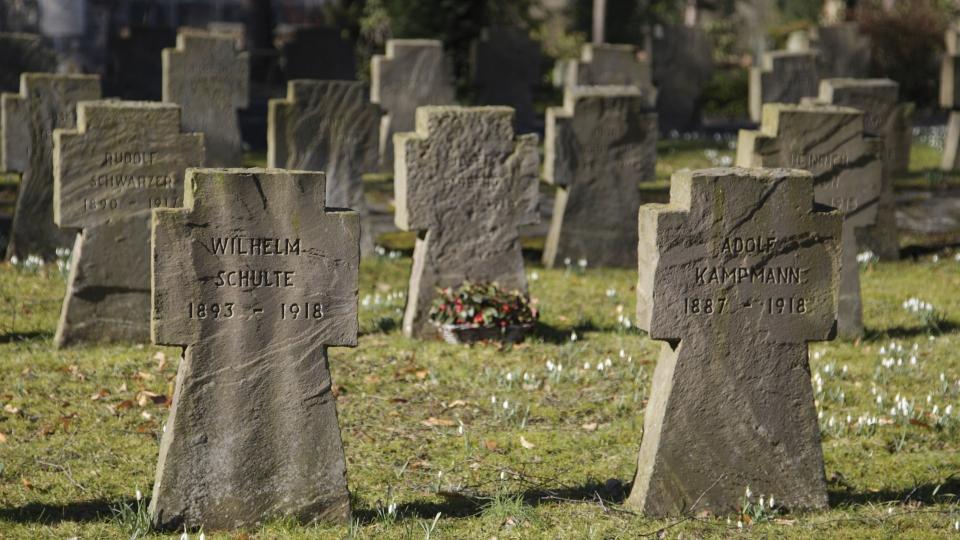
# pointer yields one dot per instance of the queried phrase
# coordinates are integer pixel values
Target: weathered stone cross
(46, 101)
(209, 79)
(829, 142)
(737, 274)
(599, 145)
(255, 279)
(464, 183)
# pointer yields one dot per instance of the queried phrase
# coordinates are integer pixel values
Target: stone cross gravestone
(412, 73)
(45, 102)
(682, 67)
(206, 76)
(782, 77)
(464, 183)
(847, 168)
(598, 146)
(124, 159)
(506, 67)
(328, 126)
(609, 64)
(885, 117)
(255, 278)
(737, 274)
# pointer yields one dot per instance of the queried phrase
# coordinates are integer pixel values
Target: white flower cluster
(30, 263)
(716, 160)
(915, 305)
(383, 252)
(866, 257)
(893, 354)
(377, 299)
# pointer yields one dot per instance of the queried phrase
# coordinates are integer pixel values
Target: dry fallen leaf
(592, 426)
(457, 403)
(526, 444)
(490, 444)
(433, 422)
(371, 379)
(26, 483)
(11, 409)
(101, 394)
(3, 438)
(421, 374)
(142, 376)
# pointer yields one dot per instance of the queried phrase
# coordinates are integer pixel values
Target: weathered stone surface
(891, 120)
(844, 50)
(206, 76)
(464, 183)
(682, 67)
(124, 159)
(782, 77)
(22, 53)
(506, 67)
(598, 146)
(737, 274)
(847, 168)
(609, 64)
(318, 52)
(412, 73)
(256, 280)
(45, 102)
(328, 126)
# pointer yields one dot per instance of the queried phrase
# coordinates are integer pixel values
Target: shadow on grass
(905, 332)
(12, 337)
(51, 514)
(458, 505)
(842, 494)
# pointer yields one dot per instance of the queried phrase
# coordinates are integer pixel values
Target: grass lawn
(498, 443)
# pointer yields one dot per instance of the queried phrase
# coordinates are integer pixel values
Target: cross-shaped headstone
(328, 126)
(599, 145)
(682, 68)
(847, 168)
(737, 274)
(464, 183)
(209, 79)
(506, 68)
(609, 64)
(412, 73)
(256, 279)
(883, 116)
(782, 77)
(124, 159)
(45, 102)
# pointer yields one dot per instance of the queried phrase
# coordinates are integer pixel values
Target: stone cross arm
(742, 251)
(206, 58)
(124, 157)
(255, 253)
(460, 154)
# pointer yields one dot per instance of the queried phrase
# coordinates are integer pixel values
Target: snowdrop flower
(506, 404)
(748, 493)
(771, 501)
(608, 362)
(611, 293)
(534, 276)
(622, 354)
(139, 496)
(509, 376)
(582, 263)
(586, 365)
(600, 366)
(566, 261)
(493, 399)
(573, 336)
(948, 410)
(739, 524)
(762, 502)
(203, 536)
(184, 536)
